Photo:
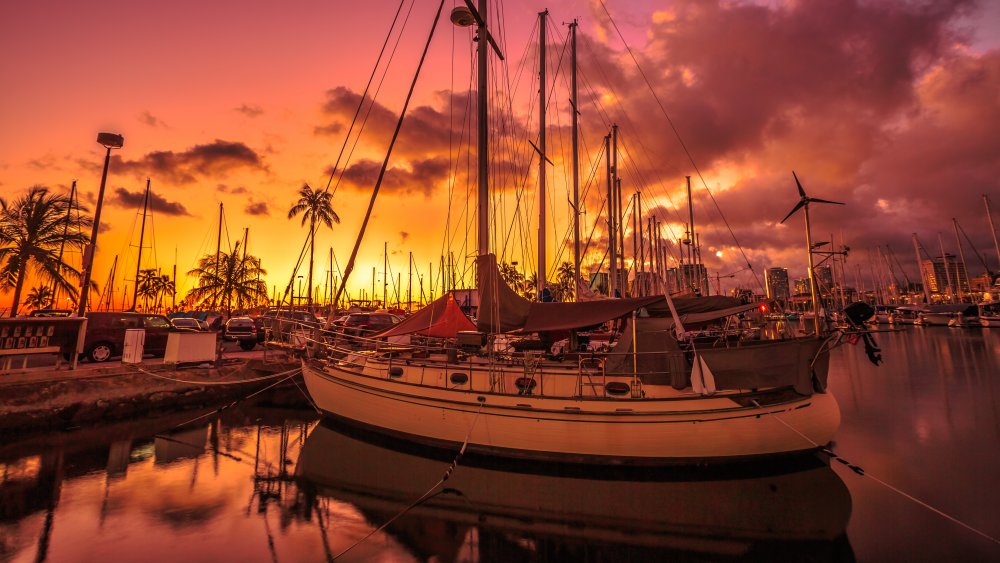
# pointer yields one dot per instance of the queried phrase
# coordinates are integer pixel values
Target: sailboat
(653, 399)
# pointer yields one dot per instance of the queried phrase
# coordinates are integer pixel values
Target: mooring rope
(857, 469)
(251, 380)
(430, 492)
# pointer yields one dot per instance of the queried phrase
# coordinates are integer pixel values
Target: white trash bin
(135, 340)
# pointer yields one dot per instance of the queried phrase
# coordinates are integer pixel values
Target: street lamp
(108, 141)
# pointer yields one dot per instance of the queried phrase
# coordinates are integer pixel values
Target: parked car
(242, 329)
(105, 336)
(186, 323)
(366, 324)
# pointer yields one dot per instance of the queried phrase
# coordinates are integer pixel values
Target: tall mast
(924, 281)
(947, 272)
(111, 285)
(62, 245)
(619, 219)
(409, 284)
(993, 230)
(812, 275)
(690, 241)
(636, 231)
(961, 255)
(385, 275)
(218, 250)
(541, 156)
(642, 248)
(576, 159)
(142, 235)
(612, 257)
(173, 294)
(483, 132)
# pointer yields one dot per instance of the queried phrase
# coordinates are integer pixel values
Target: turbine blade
(798, 205)
(798, 184)
(817, 200)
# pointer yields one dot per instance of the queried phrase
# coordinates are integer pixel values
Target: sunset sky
(892, 107)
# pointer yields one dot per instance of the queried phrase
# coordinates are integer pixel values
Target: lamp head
(462, 16)
(110, 140)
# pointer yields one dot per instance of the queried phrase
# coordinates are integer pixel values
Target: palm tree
(40, 297)
(315, 207)
(237, 280)
(565, 283)
(32, 229)
(148, 286)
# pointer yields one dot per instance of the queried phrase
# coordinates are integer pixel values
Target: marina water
(276, 484)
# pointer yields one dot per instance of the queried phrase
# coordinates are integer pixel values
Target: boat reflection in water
(797, 510)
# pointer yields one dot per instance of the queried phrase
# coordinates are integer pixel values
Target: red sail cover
(441, 319)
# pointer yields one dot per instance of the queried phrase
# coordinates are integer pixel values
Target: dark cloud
(250, 110)
(185, 167)
(404, 236)
(876, 104)
(151, 120)
(121, 197)
(231, 190)
(257, 208)
(418, 176)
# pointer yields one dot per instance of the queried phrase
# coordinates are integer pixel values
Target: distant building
(824, 280)
(802, 287)
(688, 277)
(776, 281)
(938, 270)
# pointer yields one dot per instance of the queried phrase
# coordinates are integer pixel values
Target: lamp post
(108, 141)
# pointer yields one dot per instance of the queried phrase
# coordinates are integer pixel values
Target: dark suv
(242, 329)
(106, 333)
(367, 324)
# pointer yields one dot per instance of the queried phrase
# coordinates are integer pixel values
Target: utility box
(190, 348)
(135, 340)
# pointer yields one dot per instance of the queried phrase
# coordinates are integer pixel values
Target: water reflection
(496, 513)
(266, 484)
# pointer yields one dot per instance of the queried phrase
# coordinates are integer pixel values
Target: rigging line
(361, 102)
(860, 471)
(681, 141)
(385, 164)
(378, 89)
(430, 492)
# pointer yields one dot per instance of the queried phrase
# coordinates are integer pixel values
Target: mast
(111, 284)
(993, 230)
(923, 279)
(690, 240)
(576, 158)
(142, 235)
(947, 272)
(636, 230)
(812, 275)
(642, 249)
(482, 120)
(619, 225)
(218, 250)
(612, 257)
(62, 245)
(961, 255)
(385, 275)
(542, 156)
(173, 294)
(409, 285)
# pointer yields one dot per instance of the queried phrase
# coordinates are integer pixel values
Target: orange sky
(222, 102)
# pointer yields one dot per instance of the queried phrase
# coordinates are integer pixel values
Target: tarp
(545, 317)
(704, 317)
(500, 308)
(441, 319)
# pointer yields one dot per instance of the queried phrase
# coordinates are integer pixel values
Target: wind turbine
(803, 203)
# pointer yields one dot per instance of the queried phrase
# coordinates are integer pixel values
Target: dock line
(430, 492)
(861, 472)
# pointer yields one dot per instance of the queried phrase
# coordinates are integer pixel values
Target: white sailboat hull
(681, 429)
